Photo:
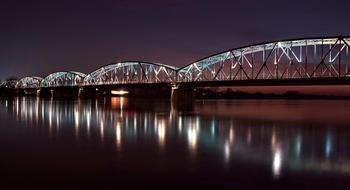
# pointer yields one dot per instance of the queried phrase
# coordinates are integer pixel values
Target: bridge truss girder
(29, 82)
(302, 58)
(9, 83)
(66, 78)
(131, 72)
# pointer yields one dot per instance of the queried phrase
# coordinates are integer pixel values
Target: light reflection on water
(284, 135)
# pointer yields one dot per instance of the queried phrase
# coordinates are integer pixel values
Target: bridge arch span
(127, 72)
(29, 82)
(9, 83)
(283, 59)
(64, 78)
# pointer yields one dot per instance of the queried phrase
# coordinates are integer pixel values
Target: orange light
(119, 92)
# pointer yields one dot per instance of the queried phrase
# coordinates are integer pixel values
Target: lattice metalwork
(131, 72)
(69, 78)
(287, 59)
(29, 82)
(9, 83)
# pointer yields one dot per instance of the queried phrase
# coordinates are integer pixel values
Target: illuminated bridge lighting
(282, 60)
(119, 92)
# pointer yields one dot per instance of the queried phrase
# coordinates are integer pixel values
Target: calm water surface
(220, 144)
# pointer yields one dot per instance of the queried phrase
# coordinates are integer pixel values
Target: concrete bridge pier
(28, 92)
(8, 92)
(45, 93)
(182, 98)
(60, 92)
(88, 92)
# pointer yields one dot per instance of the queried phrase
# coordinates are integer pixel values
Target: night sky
(43, 36)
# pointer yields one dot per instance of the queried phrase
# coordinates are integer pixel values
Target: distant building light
(119, 92)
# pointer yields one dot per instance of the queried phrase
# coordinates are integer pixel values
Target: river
(219, 144)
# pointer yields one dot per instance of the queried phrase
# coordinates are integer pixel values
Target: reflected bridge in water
(234, 130)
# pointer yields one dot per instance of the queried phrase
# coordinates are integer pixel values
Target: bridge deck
(270, 82)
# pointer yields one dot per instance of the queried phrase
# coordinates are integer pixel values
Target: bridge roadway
(226, 83)
(166, 87)
(269, 82)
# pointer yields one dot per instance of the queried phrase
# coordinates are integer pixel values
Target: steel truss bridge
(306, 61)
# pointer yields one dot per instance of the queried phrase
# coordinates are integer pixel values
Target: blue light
(197, 123)
(212, 129)
(298, 145)
(328, 144)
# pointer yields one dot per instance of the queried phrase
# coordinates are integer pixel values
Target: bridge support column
(88, 92)
(182, 98)
(28, 92)
(60, 92)
(8, 92)
(45, 93)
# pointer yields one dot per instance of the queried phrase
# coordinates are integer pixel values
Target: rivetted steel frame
(65, 78)
(29, 82)
(131, 72)
(9, 84)
(287, 59)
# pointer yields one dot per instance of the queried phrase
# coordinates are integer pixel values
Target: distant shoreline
(208, 93)
(230, 94)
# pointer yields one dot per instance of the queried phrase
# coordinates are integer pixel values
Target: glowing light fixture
(119, 92)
